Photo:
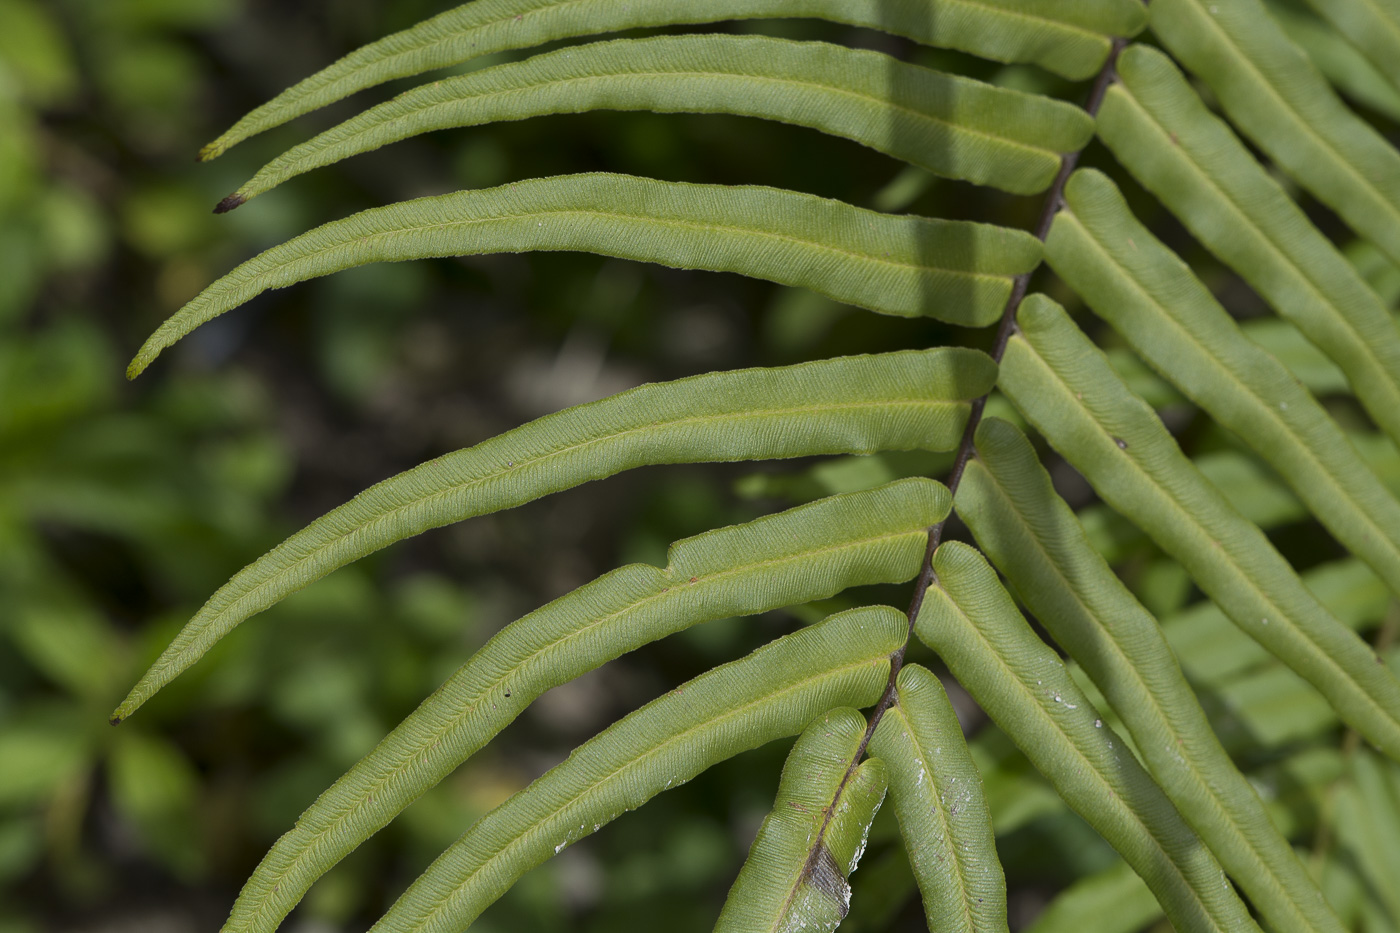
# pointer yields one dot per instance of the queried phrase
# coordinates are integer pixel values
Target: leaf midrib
(461, 33)
(389, 515)
(730, 714)
(343, 814)
(1272, 414)
(944, 819)
(1190, 521)
(1301, 126)
(1107, 793)
(617, 215)
(1223, 815)
(525, 88)
(1226, 195)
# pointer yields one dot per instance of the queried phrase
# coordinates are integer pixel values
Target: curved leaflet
(810, 552)
(1371, 26)
(909, 400)
(1028, 531)
(1064, 387)
(1214, 653)
(1275, 96)
(795, 875)
(1068, 37)
(949, 125)
(1162, 132)
(955, 271)
(936, 792)
(1130, 279)
(774, 692)
(978, 632)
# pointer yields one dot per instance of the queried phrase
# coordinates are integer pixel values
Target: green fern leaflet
(1161, 725)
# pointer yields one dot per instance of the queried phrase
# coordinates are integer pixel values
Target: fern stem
(1054, 199)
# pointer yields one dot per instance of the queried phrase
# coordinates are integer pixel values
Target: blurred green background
(123, 506)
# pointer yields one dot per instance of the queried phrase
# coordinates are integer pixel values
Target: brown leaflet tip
(229, 203)
(115, 720)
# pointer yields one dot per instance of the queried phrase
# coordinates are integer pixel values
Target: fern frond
(1341, 63)
(1161, 131)
(905, 400)
(955, 271)
(774, 692)
(1215, 653)
(1068, 37)
(1372, 27)
(795, 875)
(811, 552)
(943, 818)
(1061, 383)
(1275, 96)
(1129, 278)
(976, 629)
(949, 125)
(1007, 499)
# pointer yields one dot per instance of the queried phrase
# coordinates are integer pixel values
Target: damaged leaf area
(795, 878)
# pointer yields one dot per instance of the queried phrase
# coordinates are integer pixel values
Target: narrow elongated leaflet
(1033, 537)
(907, 400)
(795, 875)
(950, 125)
(1344, 66)
(1373, 26)
(1065, 388)
(955, 271)
(1162, 132)
(774, 692)
(936, 793)
(1069, 37)
(1129, 278)
(1022, 684)
(810, 552)
(1270, 90)
(1214, 653)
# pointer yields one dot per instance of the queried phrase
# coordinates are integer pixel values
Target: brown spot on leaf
(826, 876)
(229, 203)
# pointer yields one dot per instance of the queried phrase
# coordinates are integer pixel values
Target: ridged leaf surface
(955, 271)
(950, 125)
(1070, 37)
(1373, 26)
(807, 553)
(936, 792)
(1276, 97)
(1170, 318)
(905, 400)
(1065, 388)
(795, 877)
(1161, 131)
(774, 692)
(970, 620)
(1028, 531)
